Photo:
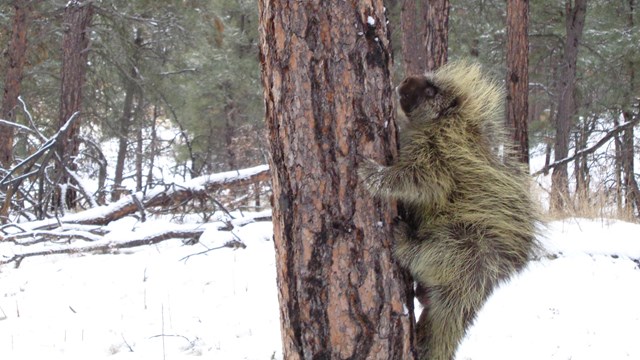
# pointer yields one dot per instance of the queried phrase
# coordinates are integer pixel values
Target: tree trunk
(230, 124)
(131, 88)
(618, 168)
(581, 169)
(575, 17)
(632, 193)
(153, 146)
(327, 81)
(138, 117)
(425, 33)
(13, 80)
(518, 76)
(123, 139)
(75, 50)
(16, 56)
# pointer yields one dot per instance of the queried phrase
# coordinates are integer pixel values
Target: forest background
(181, 79)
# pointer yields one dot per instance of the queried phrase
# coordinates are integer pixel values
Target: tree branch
(171, 194)
(590, 149)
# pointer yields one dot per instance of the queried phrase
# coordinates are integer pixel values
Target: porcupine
(471, 222)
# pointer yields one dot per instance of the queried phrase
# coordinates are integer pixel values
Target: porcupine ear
(415, 90)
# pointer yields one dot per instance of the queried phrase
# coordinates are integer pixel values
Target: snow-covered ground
(146, 302)
(150, 303)
(582, 304)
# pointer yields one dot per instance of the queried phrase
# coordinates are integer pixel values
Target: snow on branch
(61, 235)
(162, 196)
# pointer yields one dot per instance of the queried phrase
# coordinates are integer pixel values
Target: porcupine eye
(413, 91)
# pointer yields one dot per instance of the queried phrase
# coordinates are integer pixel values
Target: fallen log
(159, 197)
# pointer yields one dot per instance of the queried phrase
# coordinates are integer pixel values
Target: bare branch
(173, 194)
(109, 246)
(590, 149)
(16, 125)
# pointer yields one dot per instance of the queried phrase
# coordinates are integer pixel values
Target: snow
(157, 302)
(578, 303)
(104, 306)
(371, 21)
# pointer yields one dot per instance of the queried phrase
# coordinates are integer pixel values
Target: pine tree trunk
(326, 75)
(125, 121)
(518, 76)
(75, 50)
(425, 34)
(139, 120)
(575, 17)
(632, 193)
(16, 56)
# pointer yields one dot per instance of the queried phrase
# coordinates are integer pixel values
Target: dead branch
(108, 246)
(101, 245)
(590, 149)
(162, 197)
(40, 236)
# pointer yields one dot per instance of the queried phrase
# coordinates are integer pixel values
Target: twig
(229, 244)
(126, 343)
(31, 122)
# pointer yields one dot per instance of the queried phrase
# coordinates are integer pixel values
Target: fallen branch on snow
(160, 197)
(102, 245)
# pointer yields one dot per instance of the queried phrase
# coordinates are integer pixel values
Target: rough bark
(518, 76)
(75, 50)
(328, 95)
(425, 35)
(437, 33)
(576, 12)
(16, 56)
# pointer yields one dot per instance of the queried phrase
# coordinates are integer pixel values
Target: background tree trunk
(16, 56)
(425, 34)
(75, 51)
(328, 94)
(575, 17)
(632, 193)
(518, 76)
(125, 122)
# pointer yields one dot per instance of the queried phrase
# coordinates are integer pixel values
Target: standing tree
(132, 88)
(16, 56)
(575, 14)
(518, 76)
(631, 191)
(327, 88)
(75, 51)
(425, 34)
